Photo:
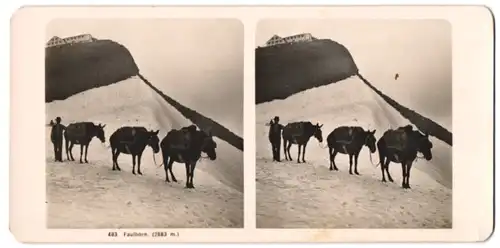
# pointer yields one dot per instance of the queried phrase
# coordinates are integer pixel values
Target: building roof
(54, 39)
(275, 37)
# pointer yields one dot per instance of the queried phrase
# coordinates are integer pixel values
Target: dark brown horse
(349, 140)
(401, 146)
(81, 133)
(299, 133)
(185, 146)
(133, 141)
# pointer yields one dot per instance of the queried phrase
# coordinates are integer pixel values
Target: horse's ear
(320, 125)
(374, 130)
(103, 126)
(157, 131)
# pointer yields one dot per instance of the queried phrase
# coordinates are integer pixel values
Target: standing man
(275, 137)
(56, 136)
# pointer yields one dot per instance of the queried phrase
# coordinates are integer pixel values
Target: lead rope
(376, 165)
(154, 160)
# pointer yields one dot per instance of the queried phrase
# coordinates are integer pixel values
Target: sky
(419, 50)
(198, 62)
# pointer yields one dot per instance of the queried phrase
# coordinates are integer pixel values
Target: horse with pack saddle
(133, 140)
(349, 140)
(81, 133)
(186, 145)
(401, 146)
(299, 133)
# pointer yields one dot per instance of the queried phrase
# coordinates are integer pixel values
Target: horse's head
(318, 134)
(208, 145)
(154, 141)
(99, 132)
(370, 140)
(425, 146)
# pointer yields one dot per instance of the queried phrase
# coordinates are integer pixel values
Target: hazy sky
(419, 50)
(199, 62)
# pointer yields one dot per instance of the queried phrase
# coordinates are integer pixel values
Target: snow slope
(308, 195)
(93, 196)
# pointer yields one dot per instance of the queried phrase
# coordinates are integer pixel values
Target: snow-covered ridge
(343, 200)
(74, 190)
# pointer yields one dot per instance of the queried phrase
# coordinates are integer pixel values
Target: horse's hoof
(384, 181)
(174, 180)
(133, 172)
(356, 173)
(336, 169)
(390, 180)
(140, 173)
(331, 169)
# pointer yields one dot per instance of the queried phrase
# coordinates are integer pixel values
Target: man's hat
(58, 119)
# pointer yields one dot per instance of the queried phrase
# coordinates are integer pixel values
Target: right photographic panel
(353, 123)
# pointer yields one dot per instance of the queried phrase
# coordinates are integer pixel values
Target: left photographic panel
(144, 123)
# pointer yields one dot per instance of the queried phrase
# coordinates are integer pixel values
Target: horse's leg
(81, 153)
(193, 166)
(133, 164)
(298, 149)
(330, 155)
(117, 153)
(386, 167)
(86, 152)
(350, 163)
(170, 169)
(403, 169)
(66, 142)
(187, 174)
(289, 145)
(71, 151)
(385, 164)
(304, 152)
(285, 146)
(382, 162)
(139, 164)
(166, 163)
(356, 155)
(113, 157)
(333, 159)
(286, 149)
(408, 169)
